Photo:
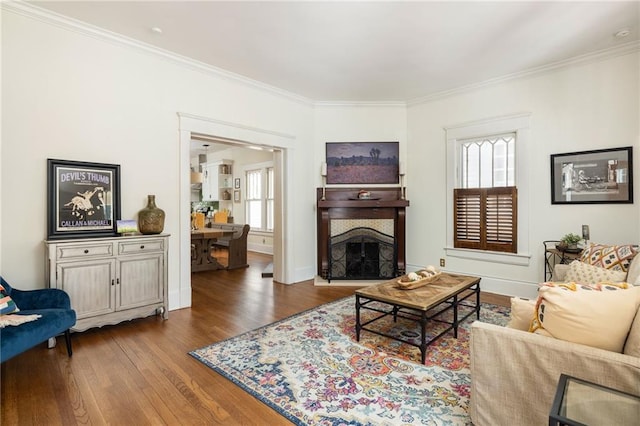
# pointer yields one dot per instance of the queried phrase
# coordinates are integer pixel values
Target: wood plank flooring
(139, 372)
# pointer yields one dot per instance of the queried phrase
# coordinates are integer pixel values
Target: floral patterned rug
(310, 369)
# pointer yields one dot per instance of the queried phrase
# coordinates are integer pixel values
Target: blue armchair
(57, 317)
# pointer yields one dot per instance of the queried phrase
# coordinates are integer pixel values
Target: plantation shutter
(486, 218)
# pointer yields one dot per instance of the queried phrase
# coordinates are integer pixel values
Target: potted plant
(570, 241)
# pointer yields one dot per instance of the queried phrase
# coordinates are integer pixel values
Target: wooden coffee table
(445, 293)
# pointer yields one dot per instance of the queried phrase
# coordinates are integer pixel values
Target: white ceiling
(367, 50)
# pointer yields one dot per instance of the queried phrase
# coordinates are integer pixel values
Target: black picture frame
(603, 176)
(363, 162)
(83, 199)
(236, 183)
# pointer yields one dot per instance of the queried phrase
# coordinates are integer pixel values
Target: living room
(73, 91)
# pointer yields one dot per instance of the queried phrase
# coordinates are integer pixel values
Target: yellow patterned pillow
(588, 274)
(599, 316)
(617, 258)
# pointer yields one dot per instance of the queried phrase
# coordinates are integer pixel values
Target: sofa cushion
(24, 336)
(581, 272)
(522, 313)
(632, 345)
(593, 315)
(617, 258)
(7, 305)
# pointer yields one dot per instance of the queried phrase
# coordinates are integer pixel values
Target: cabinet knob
(141, 247)
(112, 282)
(86, 251)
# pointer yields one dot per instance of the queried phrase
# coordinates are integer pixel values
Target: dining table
(202, 245)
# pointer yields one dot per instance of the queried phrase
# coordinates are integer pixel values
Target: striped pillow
(7, 305)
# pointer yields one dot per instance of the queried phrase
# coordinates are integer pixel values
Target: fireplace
(361, 253)
(361, 239)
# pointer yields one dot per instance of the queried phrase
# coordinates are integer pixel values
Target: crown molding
(61, 21)
(600, 55)
(402, 104)
(74, 25)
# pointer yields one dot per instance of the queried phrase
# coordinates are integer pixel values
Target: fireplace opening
(361, 254)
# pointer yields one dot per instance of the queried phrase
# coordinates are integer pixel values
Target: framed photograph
(127, 227)
(363, 163)
(83, 199)
(236, 196)
(236, 183)
(590, 177)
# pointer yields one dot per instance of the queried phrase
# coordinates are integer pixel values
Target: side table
(554, 256)
(579, 403)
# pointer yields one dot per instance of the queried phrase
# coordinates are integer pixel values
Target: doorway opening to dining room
(245, 147)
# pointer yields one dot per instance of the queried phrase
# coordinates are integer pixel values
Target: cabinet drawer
(84, 251)
(137, 247)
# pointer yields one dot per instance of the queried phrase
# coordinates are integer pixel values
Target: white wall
(71, 96)
(357, 123)
(584, 107)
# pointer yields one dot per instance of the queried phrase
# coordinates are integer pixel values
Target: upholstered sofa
(57, 317)
(514, 373)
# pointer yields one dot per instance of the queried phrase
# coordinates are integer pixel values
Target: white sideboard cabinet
(110, 280)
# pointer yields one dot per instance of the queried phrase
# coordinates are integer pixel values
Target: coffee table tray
(404, 284)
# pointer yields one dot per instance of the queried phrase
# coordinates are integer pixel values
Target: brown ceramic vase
(151, 218)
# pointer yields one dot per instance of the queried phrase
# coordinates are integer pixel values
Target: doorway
(239, 136)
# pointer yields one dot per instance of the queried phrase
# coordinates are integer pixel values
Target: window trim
(518, 124)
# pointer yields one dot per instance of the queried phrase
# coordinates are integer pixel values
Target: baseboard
(260, 248)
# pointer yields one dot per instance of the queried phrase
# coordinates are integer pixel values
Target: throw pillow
(581, 272)
(522, 313)
(633, 274)
(7, 305)
(617, 258)
(599, 316)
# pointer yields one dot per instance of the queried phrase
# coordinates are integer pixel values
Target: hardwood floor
(139, 372)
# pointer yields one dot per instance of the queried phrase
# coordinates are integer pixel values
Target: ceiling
(367, 51)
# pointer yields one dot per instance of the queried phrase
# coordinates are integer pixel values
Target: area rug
(310, 369)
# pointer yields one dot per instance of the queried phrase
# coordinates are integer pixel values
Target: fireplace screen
(362, 253)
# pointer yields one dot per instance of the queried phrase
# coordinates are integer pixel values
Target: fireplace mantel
(343, 203)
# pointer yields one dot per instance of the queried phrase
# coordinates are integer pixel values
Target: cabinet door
(90, 285)
(210, 182)
(141, 280)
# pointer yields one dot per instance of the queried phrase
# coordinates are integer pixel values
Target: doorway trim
(281, 144)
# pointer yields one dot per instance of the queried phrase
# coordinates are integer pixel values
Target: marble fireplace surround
(384, 212)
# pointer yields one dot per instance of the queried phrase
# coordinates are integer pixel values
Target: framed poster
(590, 177)
(236, 196)
(363, 162)
(83, 199)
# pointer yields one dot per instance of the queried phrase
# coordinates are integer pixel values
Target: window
(485, 205)
(488, 162)
(487, 159)
(259, 200)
